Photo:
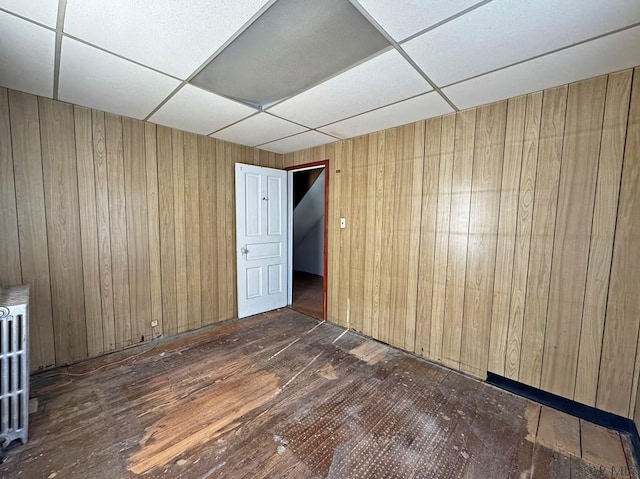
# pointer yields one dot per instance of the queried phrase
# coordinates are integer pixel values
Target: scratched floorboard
(279, 395)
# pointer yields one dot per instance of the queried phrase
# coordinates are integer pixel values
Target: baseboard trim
(588, 413)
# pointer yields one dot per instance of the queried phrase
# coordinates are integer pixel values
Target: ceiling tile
(258, 129)
(301, 141)
(175, 37)
(384, 79)
(403, 18)
(504, 32)
(408, 111)
(193, 109)
(608, 54)
(45, 12)
(26, 56)
(93, 78)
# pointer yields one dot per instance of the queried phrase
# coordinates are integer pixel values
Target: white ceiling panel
(41, 11)
(384, 79)
(193, 109)
(172, 36)
(414, 109)
(26, 56)
(403, 18)
(258, 129)
(301, 141)
(504, 32)
(605, 55)
(93, 78)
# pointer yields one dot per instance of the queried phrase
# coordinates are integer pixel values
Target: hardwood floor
(283, 395)
(307, 294)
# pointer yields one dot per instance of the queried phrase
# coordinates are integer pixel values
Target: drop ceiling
(142, 59)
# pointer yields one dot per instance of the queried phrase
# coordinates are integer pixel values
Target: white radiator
(14, 365)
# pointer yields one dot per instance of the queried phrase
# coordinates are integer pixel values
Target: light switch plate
(343, 223)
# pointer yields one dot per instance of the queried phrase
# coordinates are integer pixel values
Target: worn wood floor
(283, 395)
(307, 294)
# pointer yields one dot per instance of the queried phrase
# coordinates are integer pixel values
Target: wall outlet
(154, 324)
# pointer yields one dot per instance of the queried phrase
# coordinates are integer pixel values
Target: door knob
(244, 250)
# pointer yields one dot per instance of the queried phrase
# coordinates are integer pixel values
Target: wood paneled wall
(504, 238)
(114, 223)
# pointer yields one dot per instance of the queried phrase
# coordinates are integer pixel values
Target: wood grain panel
(554, 104)
(619, 346)
(523, 235)
(370, 278)
(179, 186)
(89, 230)
(344, 154)
(507, 227)
(221, 226)
(167, 230)
(443, 222)
(153, 220)
(359, 206)
(388, 208)
(429, 217)
(103, 224)
(376, 150)
(458, 237)
(398, 311)
(32, 228)
(137, 229)
(414, 219)
(483, 235)
(231, 298)
(118, 230)
(208, 239)
(192, 206)
(602, 235)
(63, 228)
(10, 270)
(581, 150)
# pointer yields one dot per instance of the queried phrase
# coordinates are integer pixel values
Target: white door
(261, 238)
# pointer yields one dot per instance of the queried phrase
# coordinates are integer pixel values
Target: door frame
(290, 171)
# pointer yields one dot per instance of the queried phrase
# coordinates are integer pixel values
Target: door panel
(261, 239)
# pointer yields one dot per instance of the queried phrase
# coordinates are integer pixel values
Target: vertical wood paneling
(377, 149)
(427, 239)
(554, 104)
(63, 227)
(89, 230)
(232, 156)
(398, 312)
(153, 220)
(507, 226)
(10, 270)
(344, 153)
(103, 224)
(523, 235)
(32, 227)
(388, 208)
(167, 230)
(443, 223)
(581, 150)
(137, 229)
(415, 212)
(371, 233)
(619, 347)
(602, 235)
(208, 239)
(358, 230)
(118, 230)
(458, 237)
(483, 233)
(191, 171)
(177, 141)
(221, 227)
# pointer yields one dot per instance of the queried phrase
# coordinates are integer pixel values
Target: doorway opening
(308, 227)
